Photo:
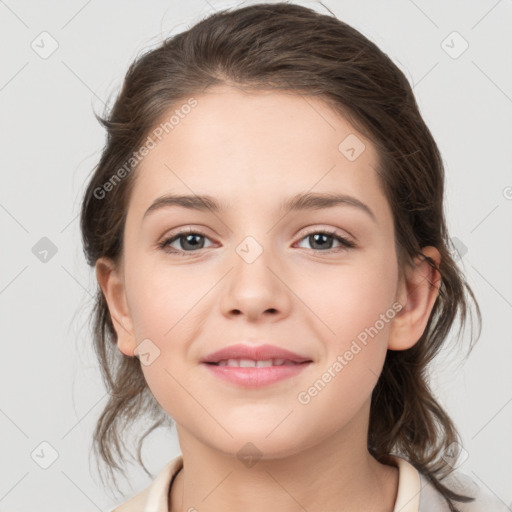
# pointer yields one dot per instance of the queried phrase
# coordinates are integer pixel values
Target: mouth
(250, 363)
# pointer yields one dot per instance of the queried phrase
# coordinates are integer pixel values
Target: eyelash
(347, 244)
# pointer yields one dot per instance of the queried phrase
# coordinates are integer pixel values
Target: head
(235, 110)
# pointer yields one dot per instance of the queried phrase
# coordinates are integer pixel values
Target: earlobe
(112, 286)
(417, 295)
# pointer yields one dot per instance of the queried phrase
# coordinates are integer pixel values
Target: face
(256, 272)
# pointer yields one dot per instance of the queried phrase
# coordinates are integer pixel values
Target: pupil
(188, 238)
(315, 238)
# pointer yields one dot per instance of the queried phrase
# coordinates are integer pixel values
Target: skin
(252, 150)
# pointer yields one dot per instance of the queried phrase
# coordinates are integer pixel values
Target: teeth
(249, 363)
(260, 364)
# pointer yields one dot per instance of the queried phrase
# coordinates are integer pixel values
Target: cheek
(166, 304)
(163, 313)
(371, 296)
(351, 297)
(163, 300)
(358, 311)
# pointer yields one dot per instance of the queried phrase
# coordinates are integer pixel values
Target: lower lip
(254, 377)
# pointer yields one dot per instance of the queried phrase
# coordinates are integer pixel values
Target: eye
(321, 239)
(187, 239)
(190, 241)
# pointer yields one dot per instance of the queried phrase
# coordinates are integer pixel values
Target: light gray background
(50, 386)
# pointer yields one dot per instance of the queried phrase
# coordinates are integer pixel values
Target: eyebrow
(298, 202)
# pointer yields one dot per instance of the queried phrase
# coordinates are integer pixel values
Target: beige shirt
(415, 492)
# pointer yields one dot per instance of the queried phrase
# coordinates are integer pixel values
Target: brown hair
(291, 48)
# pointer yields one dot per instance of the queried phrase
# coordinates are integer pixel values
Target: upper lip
(254, 352)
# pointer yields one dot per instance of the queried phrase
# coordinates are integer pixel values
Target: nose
(256, 285)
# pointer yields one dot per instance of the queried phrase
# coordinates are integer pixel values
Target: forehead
(257, 148)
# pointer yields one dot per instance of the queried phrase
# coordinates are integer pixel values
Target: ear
(112, 284)
(417, 294)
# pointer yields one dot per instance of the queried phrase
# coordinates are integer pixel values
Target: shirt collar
(409, 486)
(407, 500)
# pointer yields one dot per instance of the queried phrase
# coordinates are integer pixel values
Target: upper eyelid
(199, 231)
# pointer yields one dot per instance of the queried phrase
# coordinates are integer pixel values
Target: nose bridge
(255, 230)
(254, 256)
(254, 233)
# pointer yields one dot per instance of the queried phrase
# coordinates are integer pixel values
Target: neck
(337, 474)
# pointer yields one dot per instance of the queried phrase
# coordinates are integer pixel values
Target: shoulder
(484, 501)
(135, 504)
(154, 498)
